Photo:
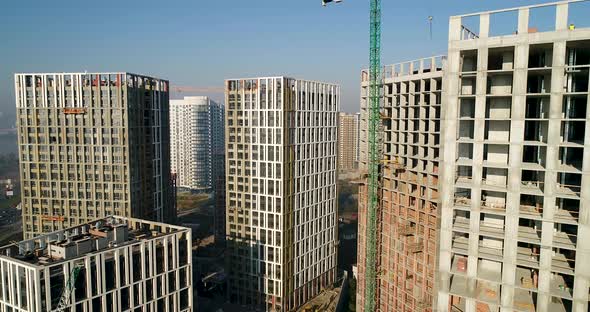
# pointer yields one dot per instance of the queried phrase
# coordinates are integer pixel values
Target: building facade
(196, 142)
(516, 174)
(110, 264)
(282, 158)
(92, 145)
(347, 142)
(357, 156)
(219, 213)
(408, 189)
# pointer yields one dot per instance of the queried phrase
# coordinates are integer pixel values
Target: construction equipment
(69, 288)
(325, 2)
(374, 161)
(74, 110)
(52, 218)
(374, 157)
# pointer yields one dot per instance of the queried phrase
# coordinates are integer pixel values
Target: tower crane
(375, 95)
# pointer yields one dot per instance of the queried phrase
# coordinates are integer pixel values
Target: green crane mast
(68, 290)
(374, 156)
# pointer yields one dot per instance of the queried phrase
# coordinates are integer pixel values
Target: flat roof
(88, 73)
(93, 237)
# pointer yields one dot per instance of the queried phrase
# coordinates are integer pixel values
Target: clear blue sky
(202, 42)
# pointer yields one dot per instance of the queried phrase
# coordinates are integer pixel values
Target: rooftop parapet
(568, 15)
(97, 236)
(418, 66)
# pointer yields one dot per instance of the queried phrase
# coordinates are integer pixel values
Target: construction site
(110, 264)
(516, 162)
(408, 186)
(506, 115)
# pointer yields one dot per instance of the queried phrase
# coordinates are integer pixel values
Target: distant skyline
(202, 43)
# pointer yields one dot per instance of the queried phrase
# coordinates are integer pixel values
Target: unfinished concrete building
(92, 145)
(347, 142)
(110, 264)
(281, 160)
(408, 190)
(516, 176)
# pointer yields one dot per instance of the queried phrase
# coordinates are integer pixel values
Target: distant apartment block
(347, 142)
(281, 147)
(516, 176)
(92, 145)
(408, 189)
(196, 142)
(110, 264)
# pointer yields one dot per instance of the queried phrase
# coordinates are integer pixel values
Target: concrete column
(518, 107)
(484, 25)
(455, 28)
(37, 280)
(582, 272)
(448, 139)
(561, 16)
(523, 20)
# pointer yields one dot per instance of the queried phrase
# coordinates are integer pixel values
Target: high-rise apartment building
(516, 170)
(92, 145)
(282, 161)
(196, 142)
(109, 264)
(357, 156)
(347, 142)
(408, 191)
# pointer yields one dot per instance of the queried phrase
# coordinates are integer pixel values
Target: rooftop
(75, 242)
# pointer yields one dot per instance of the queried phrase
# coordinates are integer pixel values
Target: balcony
(563, 261)
(493, 207)
(460, 243)
(532, 187)
(490, 248)
(568, 190)
(529, 234)
(461, 223)
(488, 292)
(459, 265)
(561, 285)
(497, 131)
(524, 300)
(464, 181)
(492, 228)
(565, 236)
(570, 159)
(572, 133)
(567, 210)
(528, 254)
(462, 201)
(460, 287)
